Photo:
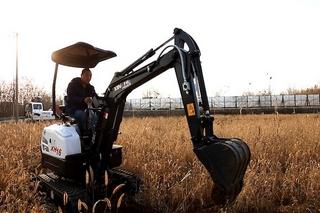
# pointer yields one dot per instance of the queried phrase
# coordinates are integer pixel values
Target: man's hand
(88, 100)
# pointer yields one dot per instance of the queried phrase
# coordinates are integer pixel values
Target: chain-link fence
(256, 101)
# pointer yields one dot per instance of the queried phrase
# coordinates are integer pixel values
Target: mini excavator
(86, 165)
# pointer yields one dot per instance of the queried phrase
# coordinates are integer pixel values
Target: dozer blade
(226, 160)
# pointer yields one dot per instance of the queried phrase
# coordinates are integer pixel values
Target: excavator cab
(226, 159)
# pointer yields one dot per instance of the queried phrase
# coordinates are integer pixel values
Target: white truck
(34, 111)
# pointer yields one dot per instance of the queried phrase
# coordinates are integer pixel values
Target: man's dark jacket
(76, 93)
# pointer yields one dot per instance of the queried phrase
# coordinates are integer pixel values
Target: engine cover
(60, 140)
(62, 153)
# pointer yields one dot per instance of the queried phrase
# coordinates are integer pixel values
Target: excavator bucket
(226, 160)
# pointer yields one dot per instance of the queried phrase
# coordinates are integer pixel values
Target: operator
(79, 96)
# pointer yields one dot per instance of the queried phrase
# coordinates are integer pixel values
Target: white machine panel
(60, 140)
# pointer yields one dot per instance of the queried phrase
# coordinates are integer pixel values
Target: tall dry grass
(283, 175)
(19, 165)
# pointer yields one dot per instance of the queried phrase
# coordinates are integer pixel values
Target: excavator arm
(225, 159)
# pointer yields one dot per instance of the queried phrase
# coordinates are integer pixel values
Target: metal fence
(256, 101)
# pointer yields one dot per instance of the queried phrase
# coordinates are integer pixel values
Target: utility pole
(269, 83)
(17, 88)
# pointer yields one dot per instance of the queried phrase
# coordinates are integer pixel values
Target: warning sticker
(191, 111)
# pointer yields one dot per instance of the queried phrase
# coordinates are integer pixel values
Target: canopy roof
(82, 55)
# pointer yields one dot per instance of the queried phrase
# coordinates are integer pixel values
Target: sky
(246, 46)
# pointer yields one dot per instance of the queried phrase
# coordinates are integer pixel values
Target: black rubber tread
(131, 180)
(59, 186)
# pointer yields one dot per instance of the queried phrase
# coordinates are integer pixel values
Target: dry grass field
(283, 175)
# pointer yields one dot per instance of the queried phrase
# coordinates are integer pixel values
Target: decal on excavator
(56, 150)
(122, 85)
(190, 109)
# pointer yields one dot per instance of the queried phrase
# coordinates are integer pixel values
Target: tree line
(290, 91)
(307, 91)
